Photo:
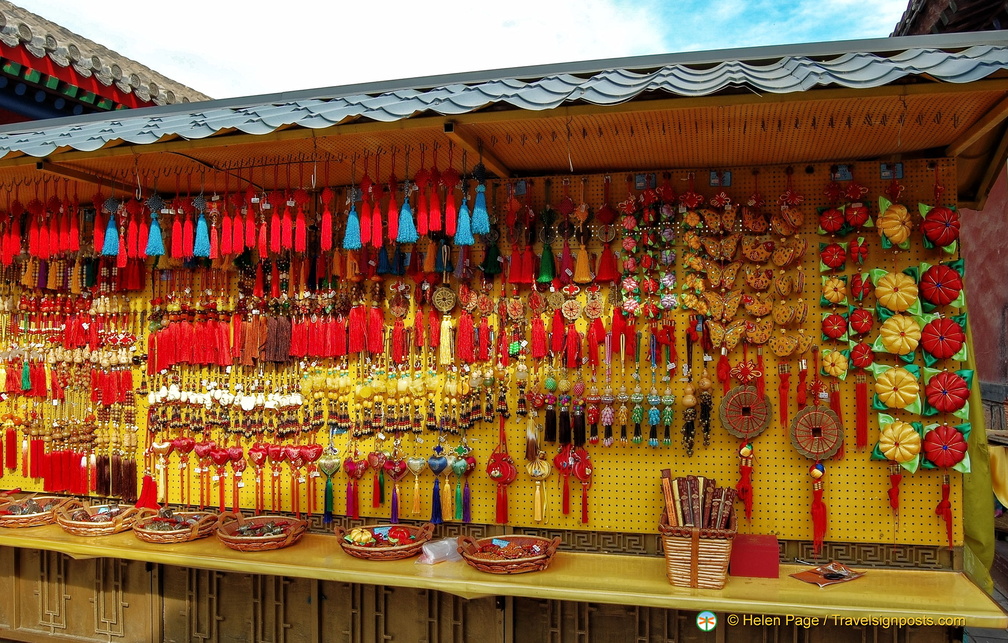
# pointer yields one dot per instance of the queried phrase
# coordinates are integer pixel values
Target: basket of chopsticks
(97, 520)
(31, 511)
(697, 529)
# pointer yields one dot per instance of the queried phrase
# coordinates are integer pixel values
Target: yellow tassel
(582, 267)
(75, 279)
(446, 353)
(26, 276)
(416, 495)
(537, 514)
(430, 258)
(3, 379)
(54, 275)
(447, 498)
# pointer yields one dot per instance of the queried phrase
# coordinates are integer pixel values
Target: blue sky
(229, 49)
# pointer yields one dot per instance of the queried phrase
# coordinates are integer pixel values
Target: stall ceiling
(920, 101)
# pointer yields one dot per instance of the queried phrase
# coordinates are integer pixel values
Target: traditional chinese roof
(952, 16)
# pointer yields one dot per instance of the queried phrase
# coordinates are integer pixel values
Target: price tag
(500, 542)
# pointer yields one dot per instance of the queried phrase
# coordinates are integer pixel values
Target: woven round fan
(744, 413)
(444, 299)
(816, 432)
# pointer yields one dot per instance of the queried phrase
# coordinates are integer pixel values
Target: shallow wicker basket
(206, 523)
(392, 552)
(697, 557)
(230, 522)
(47, 517)
(121, 522)
(470, 550)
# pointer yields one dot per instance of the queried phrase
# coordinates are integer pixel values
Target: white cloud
(234, 49)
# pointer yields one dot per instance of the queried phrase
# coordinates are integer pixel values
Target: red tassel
(894, 492)
(434, 214)
(10, 449)
(724, 371)
(275, 236)
(376, 333)
(557, 332)
(450, 212)
(398, 342)
(122, 258)
(188, 237)
(392, 216)
(74, 231)
(260, 242)
(861, 412)
(226, 240)
(326, 231)
(237, 233)
(818, 517)
(142, 235)
(434, 330)
(418, 329)
(290, 234)
(98, 237)
(527, 271)
(176, 238)
(148, 494)
(422, 210)
(784, 397)
(365, 221)
(944, 510)
(250, 232)
(539, 348)
(133, 238)
(744, 486)
(260, 282)
(376, 226)
(274, 279)
(573, 347)
(356, 327)
(44, 251)
(606, 266)
(464, 338)
(801, 395)
(64, 230)
(214, 243)
(761, 380)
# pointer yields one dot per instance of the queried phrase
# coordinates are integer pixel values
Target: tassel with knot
(407, 231)
(744, 486)
(480, 216)
(300, 231)
(539, 348)
(463, 231)
(464, 338)
(446, 353)
(818, 511)
(944, 511)
(582, 267)
(352, 234)
(201, 240)
(155, 243)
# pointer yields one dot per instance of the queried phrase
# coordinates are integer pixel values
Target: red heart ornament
(257, 454)
(238, 465)
(292, 451)
(236, 453)
(184, 445)
(311, 452)
(203, 449)
(276, 453)
(376, 460)
(220, 457)
(395, 469)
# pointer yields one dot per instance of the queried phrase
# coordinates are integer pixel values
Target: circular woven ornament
(816, 432)
(940, 285)
(944, 446)
(947, 392)
(856, 215)
(835, 363)
(444, 299)
(942, 337)
(834, 290)
(743, 413)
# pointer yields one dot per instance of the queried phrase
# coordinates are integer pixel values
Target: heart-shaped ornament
(238, 465)
(203, 449)
(257, 454)
(276, 453)
(162, 448)
(376, 460)
(236, 453)
(329, 463)
(292, 452)
(396, 469)
(311, 452)
(416, 465)
(184, 445)
(220, 457)
(437, 464)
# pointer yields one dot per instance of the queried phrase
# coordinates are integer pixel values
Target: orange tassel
(214, 243)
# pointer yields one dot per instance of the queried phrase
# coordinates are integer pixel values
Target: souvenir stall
(286, 347)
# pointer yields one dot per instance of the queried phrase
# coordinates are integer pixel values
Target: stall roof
(888, 99)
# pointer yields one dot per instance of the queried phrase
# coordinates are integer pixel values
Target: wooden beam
(475, 146)
(994, 167)
(77, 175)
(984, 124)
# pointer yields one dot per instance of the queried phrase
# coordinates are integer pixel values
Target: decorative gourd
(835, 363)
(862, 355)
(897, 388)
(900, 334)
(833, 256)
(941, 226)
(944, 446)
(896, 291)
(834, 326)
(831, 220)
(947, 391)
(834, 290)
(861, 321)
(899, 442)
(942, 337)
(894, 223)
(940, 285)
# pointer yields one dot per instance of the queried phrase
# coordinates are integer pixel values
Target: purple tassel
(351, 499)
(466, 511)
(436, 503)
(43, 274)
(394, 518)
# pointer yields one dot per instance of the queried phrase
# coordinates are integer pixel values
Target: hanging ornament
(745, 414)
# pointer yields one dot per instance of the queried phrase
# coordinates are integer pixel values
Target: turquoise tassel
(480, 216)
(201, 244)
(407, 228)
(111, 246)
(463, 234)
(155, 242)
(351, 238)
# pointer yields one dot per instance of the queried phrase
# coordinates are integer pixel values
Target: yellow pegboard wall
(625, 492)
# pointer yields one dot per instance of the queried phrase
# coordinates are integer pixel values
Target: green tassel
(328, 515)
(25, 377)
(491, 262)
(547, 266)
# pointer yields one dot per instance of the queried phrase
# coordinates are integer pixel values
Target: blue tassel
(480, 216)
(201, 242)
(155, 242)
(463, 233)
(328, 514)
(435, 517)
(407, 228)
(351, 238)
(110, 248)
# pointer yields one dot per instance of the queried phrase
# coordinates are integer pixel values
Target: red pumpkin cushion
(942, 337)
(947, 391)
(861, 321)
(862, 355)
(860, 287)
(856, 215)
(831, 220)
(941, 226)
(833, 255)
(834, 326)
(940, 285)
(859, 251)
(944, 446)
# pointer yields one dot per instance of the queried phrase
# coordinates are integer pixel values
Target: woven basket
(122, 522)
(230, 522)
(397, 552)
(696, 557)
(33, 520)
(470, 550)
(205, 525)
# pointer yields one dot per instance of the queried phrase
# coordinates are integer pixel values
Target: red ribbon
(818, 517)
